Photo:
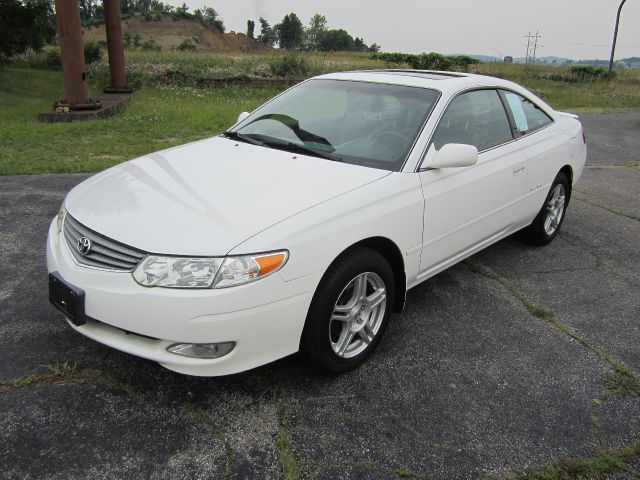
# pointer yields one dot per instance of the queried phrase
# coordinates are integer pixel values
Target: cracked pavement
(496, 365)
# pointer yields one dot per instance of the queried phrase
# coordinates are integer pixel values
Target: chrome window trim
(495, 88)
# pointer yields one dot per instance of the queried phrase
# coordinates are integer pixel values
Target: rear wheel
(349, 311)
(547, 223)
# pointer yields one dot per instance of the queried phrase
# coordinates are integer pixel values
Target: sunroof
(421, 74)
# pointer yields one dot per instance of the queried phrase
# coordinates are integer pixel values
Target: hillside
(168, 33)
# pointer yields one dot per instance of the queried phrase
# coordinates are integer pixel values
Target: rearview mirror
(451, 155)
(242, 116)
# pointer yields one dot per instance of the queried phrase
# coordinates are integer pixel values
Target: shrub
(186, 45)
(53, 59)
(428, 61)
(588, 72)
(150, 46)
(289, 65)
(92, 52)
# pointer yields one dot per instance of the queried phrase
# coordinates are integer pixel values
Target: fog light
(201, 350)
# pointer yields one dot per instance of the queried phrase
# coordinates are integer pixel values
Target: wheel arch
(568, 171)
(389, 250)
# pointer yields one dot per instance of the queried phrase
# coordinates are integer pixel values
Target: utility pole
(532, 46)
(615, 39)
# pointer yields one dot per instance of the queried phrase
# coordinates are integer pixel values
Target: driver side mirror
(242, 116)
(451, 155)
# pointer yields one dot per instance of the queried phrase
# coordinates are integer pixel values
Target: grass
(591, 96)
(162, 115)
(604, 463)
(157, 117)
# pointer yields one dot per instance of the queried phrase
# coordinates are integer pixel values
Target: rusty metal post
(76, 91)
(615, 39)
(115, 47)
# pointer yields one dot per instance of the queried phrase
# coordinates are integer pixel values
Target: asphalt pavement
(514, 359)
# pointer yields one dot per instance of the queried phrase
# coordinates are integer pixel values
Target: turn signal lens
(269, 263)
(245, 269)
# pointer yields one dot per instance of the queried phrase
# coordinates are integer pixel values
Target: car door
(543, 145)
(468, 208)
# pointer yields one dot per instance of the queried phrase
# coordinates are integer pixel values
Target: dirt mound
(169, 33)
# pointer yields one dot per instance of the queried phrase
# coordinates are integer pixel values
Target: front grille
(104, 253)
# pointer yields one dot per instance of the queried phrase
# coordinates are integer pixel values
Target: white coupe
(303, 226)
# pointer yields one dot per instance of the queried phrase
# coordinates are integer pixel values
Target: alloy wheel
(357, 315)
(555, 209)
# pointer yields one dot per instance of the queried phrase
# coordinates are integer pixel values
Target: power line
(532, 46)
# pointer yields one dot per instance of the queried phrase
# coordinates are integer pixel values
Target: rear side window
(474, 118)
(527, 116)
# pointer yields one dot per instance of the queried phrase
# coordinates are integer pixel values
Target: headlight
(177, 272)
(183, 272)
(60, 218)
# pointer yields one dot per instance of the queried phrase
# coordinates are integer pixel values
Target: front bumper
(264, 318)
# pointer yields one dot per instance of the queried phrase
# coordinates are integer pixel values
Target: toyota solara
(303, 226)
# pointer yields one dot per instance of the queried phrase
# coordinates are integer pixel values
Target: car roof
(446, 82)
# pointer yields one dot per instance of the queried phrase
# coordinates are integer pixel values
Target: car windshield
(363, 123)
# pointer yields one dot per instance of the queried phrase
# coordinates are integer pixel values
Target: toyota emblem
(83, 245)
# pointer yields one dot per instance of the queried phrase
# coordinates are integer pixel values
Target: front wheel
(349, 311)
(547, 223)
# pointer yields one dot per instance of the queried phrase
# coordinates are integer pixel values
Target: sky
(579, 29)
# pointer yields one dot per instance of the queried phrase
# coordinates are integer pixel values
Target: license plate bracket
(67, 298)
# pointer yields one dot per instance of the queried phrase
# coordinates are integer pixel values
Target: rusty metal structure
(76, 90)
(115, 46)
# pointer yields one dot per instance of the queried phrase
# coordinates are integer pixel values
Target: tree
(359, 45)
(251, 25)
(290, 32)
(87, 9)
(209, 18)
(25, 25)
(313, 33)
(336, 41)
(183, 11)
(268, 34)
(374, 48)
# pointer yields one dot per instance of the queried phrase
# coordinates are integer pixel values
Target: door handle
(519, 169)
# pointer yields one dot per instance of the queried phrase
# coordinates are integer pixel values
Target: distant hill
(169, 33)
(631, 62)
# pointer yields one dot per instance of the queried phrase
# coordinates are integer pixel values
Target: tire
(343, 327)
(547, 223)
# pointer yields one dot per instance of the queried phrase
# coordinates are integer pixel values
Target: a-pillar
(115, 47)
(76, 91)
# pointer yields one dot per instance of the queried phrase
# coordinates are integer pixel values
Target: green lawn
(161, 116)
(156, 118)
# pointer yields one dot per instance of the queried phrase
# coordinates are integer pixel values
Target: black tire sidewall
(315, 337)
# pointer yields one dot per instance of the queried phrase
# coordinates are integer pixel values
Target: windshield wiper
(294, 126)
(289, 146)
(243, 138)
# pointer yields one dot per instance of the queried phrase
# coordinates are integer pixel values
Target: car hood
(206, 197)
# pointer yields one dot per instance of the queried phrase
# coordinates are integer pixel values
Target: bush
(428, 61)
(53, 59)
(92, 52)
(588, 72)
(150, 46)
(289, 65)
(186, 45)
